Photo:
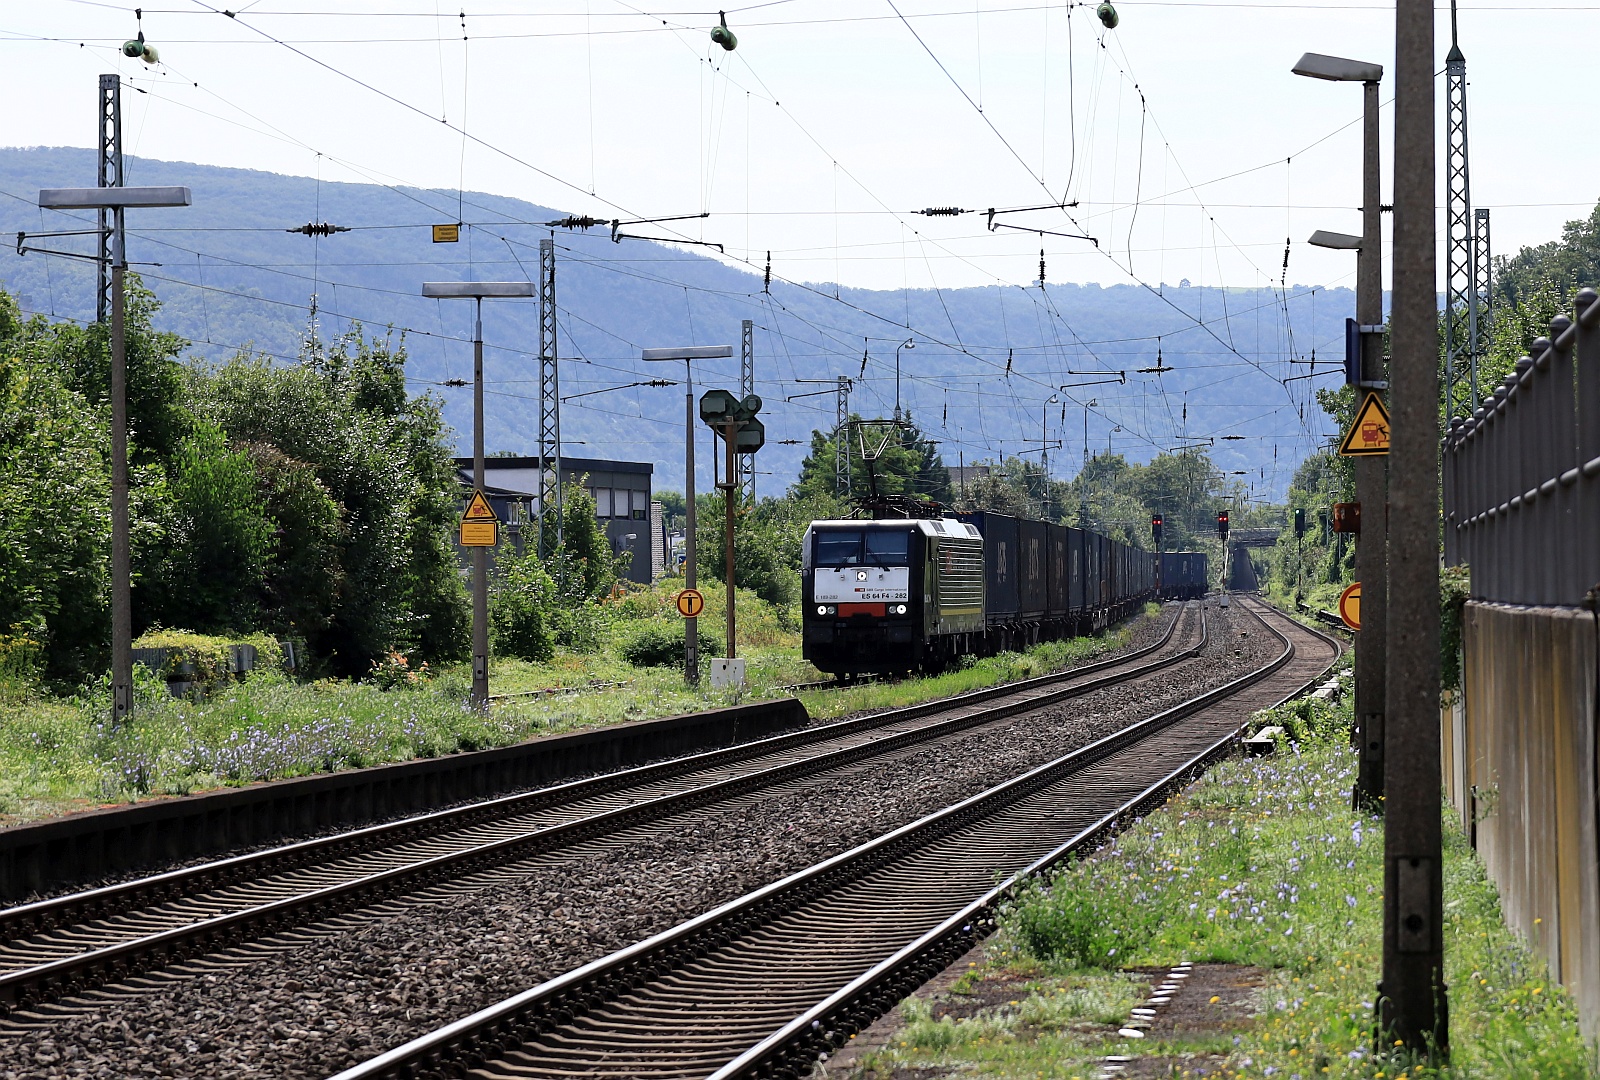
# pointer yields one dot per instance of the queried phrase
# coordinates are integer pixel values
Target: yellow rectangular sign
(479, 534)
(447, 234)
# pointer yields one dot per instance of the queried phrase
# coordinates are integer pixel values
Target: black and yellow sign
(480, 533)
(479, 526)
(478, 509)
(1370, 433)
(447, 234)
(691, 603)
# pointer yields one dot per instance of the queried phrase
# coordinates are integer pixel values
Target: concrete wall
(1520, 747)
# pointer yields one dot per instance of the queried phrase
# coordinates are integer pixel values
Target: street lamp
(908, 343)
(689, 353)
(477, 291)
(1371, 473)
(118, 199)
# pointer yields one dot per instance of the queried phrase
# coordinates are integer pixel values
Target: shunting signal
(1222, 524)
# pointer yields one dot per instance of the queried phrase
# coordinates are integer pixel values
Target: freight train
(916, 594)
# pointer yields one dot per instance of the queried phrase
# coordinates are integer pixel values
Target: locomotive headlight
(899, 609)
(822, 609)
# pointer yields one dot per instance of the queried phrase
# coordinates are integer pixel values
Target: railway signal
(1299, 522)
(1155, 529)
(1222, 524)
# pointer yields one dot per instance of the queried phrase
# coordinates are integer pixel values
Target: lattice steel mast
(841, 439)
(550, 479)
(746, 463)
(1478, 317)
(1460, 267)
(110, 176)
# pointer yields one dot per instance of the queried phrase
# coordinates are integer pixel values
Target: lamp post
(476, 291)
(688, 354)
(908, 343)
(1371, 472)
(117, 200)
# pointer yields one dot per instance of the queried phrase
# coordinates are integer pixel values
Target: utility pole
(841, 439)
(1413, 1005)
(746, 464)
(110, 176)
(550, 480)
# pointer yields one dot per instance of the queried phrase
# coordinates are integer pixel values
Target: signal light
(1222, 524)
(1156, 522)
(1299, 522)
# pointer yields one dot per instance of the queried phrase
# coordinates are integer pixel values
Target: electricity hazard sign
(478, 509)
(1350, 605)
(447, 234)
(1370, 432)
(479, 526)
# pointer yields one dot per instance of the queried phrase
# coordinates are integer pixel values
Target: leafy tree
(521, 596)
(381, 458)
(218, 542)
(903, 461)
(305, 570)
(55, 487)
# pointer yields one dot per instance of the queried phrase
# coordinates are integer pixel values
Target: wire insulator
(941, 211)
(319, 229)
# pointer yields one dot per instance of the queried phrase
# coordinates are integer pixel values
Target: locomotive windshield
(855, 547)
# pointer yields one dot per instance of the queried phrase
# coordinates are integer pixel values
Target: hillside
(229, 276)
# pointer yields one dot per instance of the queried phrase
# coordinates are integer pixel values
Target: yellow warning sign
(478, 509)
(1370, 432)
(479, 533)
(691, 603)
(447, 234)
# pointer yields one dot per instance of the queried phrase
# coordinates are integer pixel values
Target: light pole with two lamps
(117, 200)
(477, 291)
(1371, 472)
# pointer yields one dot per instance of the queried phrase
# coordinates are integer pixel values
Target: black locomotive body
(897, 595)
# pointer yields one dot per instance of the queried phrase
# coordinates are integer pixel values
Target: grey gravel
(315, 1010)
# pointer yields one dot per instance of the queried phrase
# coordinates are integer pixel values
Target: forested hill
(985, 361)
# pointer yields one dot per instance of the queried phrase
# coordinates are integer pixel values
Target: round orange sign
(1350, 605)
(691, 603)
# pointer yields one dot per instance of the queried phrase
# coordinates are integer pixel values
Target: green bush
(1071, 921)
(521, 605)
(660, 644)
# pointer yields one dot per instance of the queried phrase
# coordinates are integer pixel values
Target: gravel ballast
(316, 1009)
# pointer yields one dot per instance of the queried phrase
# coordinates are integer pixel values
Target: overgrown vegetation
(1261, 863)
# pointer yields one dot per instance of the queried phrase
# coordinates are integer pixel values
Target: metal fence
(1522, 474)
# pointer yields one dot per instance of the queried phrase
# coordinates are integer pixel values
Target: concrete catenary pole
(1412, 1002)
(1372, 482)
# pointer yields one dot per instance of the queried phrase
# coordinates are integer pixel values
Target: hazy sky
(832, 122)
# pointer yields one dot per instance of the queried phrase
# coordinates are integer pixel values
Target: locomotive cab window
(873, 547)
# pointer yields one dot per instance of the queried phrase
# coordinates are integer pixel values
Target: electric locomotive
(891, 595)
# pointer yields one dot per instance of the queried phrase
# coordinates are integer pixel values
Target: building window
(602, 502)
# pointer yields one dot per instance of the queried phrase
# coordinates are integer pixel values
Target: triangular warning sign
(478, 509)
(1370, 432)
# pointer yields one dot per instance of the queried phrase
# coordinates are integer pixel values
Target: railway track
(72, 944)
(765, 984)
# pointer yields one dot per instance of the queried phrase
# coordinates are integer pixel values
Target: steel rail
(143, 947)
(73, 908)
(543, 1011)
